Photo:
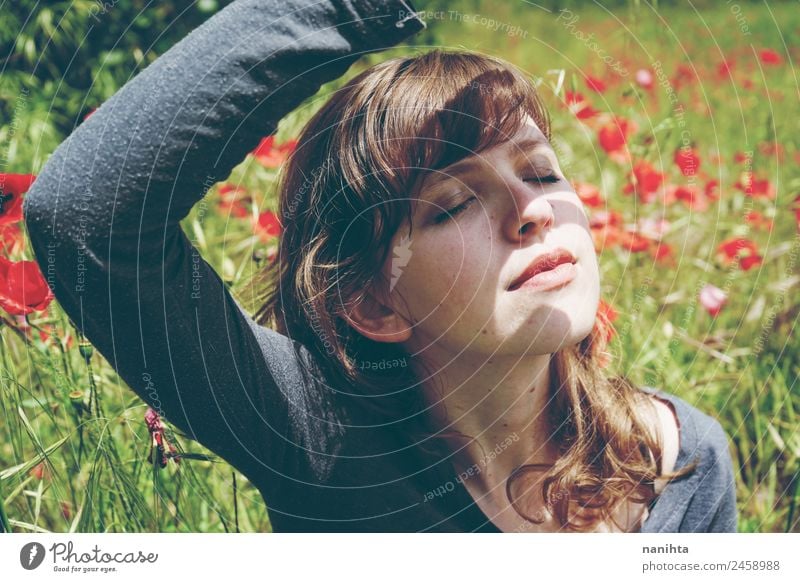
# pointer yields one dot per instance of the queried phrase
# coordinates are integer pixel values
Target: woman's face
(451, 279)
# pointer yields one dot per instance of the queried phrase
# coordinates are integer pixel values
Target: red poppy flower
(758, 220)
(712, 190)
(725, 68)
(747, 263)
(268, 226)
(272, 155)
(684, 74)
(12, 187)
(645, 181)
(22, 287)
(636, 242)
(688, 160)
(40, 472)
(755, 187)
(691, 196)
(607, 218)
(770, 57)
(66, 510)
(796, 208)
(589, 194)
(739, 249)
(614, 135)
(233, 200)
(662, 253)
(48, 334)
(740, 157)
(595, 84)
(606, 227)
(579, 106)
(772, 148)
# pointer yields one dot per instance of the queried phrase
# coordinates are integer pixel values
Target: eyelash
(455, 211)
(549, 179)
(440, 218)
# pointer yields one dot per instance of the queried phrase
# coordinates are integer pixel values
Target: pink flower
(654, 228)
(644, 78)
(712, 299)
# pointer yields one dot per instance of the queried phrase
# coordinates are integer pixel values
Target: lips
(544, 262)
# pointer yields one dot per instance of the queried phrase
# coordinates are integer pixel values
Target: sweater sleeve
(103, 215)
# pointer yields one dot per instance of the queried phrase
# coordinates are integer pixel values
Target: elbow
(37, 214)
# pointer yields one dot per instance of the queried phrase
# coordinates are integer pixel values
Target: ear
(377, 321)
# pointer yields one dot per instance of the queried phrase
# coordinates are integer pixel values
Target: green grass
(75, 415)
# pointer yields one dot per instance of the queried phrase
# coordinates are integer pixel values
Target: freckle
(484, 332)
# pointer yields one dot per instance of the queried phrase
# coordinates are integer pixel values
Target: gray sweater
(103, 219)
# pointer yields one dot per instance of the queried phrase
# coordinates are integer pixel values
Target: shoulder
(662, 420)
(699, 436)
(699, 433)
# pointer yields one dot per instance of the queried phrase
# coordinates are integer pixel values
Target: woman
(406, 371)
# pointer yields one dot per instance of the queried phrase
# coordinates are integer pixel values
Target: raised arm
(103, 215)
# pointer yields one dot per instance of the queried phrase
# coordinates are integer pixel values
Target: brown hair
(345, 191)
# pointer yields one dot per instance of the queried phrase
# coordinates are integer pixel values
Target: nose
(531, 216)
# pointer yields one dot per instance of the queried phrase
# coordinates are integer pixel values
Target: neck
(500, 403)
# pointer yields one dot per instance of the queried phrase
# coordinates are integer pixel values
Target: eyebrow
(463, 166)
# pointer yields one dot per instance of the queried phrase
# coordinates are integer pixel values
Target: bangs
(442, 107)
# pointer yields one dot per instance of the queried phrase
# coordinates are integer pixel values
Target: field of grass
(680, 132)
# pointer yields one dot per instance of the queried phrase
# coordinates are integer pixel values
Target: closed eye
(440, 218)
(548, 179)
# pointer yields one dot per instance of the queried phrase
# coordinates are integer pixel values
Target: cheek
(444, 274)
